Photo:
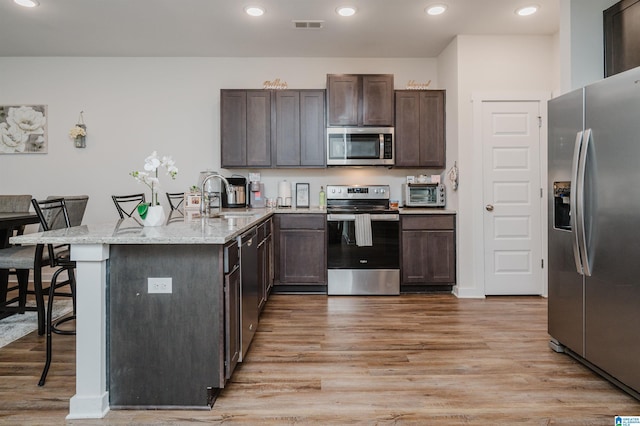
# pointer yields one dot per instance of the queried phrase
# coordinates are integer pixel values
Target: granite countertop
(179, 229)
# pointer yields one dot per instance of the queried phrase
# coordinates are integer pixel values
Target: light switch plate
(159, 285)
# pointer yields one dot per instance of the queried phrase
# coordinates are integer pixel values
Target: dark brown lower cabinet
(301, 249)
(428, 250)
(232, 307)
(265, 262)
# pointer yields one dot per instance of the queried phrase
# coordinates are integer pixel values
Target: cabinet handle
(489, 207)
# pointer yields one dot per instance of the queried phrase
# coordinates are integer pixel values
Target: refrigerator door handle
(584, 255)
(573, 203)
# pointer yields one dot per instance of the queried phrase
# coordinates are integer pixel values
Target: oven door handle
(340, 217)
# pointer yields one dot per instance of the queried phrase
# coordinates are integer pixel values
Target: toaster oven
(423, 195)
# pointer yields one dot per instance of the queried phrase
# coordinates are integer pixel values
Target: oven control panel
(370, 192)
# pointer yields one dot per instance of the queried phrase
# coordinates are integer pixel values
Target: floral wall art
(23, 129)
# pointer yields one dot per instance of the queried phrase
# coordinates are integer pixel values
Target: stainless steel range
(363, 253)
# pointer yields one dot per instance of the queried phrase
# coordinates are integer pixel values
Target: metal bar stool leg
(23, 283)
(52, 291)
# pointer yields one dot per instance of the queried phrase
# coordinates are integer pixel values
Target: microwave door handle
(573, 203)
(381, 139)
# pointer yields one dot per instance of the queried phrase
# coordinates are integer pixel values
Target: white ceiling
(220, 28)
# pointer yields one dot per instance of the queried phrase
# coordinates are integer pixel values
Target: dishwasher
(248, 243)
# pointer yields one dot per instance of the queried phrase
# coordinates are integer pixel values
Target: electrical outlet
(159, 285)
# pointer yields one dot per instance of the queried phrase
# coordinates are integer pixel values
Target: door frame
(477, 100)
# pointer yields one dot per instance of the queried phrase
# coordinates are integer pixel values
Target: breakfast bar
(93, 246)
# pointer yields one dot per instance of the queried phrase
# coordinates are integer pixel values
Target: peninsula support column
(92, 398)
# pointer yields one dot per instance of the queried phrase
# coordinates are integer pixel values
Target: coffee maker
(256, 191)
(237, 197)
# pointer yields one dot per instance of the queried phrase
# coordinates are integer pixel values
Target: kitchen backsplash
(337, 176)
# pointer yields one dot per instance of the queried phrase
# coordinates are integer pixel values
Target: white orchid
(150, 177)
(27, 119)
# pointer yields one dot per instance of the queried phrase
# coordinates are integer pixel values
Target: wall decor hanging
(79, 132)
(23, 129)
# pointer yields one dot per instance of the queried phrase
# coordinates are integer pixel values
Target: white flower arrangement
(77, 131)
(150, 176)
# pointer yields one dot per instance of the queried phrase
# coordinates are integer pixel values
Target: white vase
(155, 216)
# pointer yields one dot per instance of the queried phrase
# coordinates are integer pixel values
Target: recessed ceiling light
(527, 10)
(436, 9)
(254, 10)
(27, 3)
(346, 11)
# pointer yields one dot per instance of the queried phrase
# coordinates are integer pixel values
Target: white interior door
(512, 198)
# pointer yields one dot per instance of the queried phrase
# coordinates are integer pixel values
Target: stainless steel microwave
(423, 195)
(360, 146)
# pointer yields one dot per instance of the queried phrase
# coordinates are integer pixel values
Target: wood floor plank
(412, 359)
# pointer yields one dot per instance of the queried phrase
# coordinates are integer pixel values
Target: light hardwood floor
(412, 359)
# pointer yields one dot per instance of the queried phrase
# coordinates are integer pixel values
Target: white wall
(489, 64)
(133, 106)
(581, 42)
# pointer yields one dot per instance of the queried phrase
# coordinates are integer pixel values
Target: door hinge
(540, 121)
(542, 263)
(540, 192)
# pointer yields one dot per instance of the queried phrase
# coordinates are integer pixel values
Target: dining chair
(176, 199)
(127, 204)
(53, 214)
(12, 204)
(22, 259)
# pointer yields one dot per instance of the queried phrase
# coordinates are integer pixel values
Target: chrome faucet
(227, 188)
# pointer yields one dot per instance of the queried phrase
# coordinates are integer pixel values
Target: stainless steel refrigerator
(594, 227)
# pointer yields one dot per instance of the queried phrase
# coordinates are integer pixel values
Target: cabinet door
(343, 93)
(420, 128)
(287, 128)
(312, 128)
(377, 100)
(262, 274)
(258, 123)
(302, 256)
(432, 128)
(428, 257)
(233, 128)
(232, 320)
(407, 131)
(440, 258)
(414, 261)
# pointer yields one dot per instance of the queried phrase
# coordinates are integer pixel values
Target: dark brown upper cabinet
(272, 128)
(420, 128)
(245, 128)
(300, 128)
(622, 36)
(360, 100)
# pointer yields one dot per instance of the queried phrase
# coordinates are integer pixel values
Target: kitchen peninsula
(181, 321)
(161, 310)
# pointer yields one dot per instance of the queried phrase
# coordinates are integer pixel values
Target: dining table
(9, 222)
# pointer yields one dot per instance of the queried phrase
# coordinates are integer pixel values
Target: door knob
(489, 207)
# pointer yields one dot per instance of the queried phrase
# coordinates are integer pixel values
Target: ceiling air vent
(308, 25)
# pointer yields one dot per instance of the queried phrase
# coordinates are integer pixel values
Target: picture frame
(192, 201)
(302, 195)
(25, 129)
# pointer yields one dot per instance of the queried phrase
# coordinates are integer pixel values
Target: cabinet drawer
(231, 256)
(264, 229)
(428, 222)
(302, 221)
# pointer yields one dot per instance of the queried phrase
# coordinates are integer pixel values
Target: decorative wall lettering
(412, 85)
(275, 84)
